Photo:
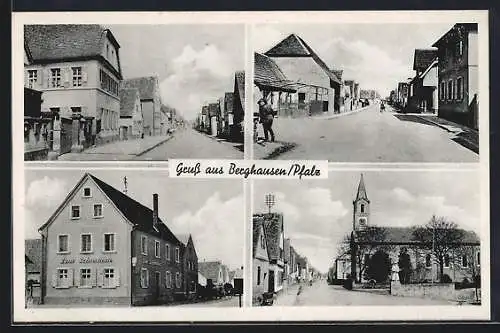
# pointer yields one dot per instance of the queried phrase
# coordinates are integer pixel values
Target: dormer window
(87, 193)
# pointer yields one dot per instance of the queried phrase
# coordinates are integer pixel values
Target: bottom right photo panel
(366, 238)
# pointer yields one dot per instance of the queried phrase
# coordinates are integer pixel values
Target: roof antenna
(125, 185)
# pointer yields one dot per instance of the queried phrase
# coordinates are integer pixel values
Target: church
(366, 241)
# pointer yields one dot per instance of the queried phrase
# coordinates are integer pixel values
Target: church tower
(361, 207)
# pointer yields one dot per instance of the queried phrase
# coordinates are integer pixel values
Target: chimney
(155, 210)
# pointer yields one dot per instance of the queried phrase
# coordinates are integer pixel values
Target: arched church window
(362, 208)
(428, 260)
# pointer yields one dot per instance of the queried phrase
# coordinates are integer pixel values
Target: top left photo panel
(133, 92)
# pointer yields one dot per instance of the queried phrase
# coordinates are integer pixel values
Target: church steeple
(361, 207)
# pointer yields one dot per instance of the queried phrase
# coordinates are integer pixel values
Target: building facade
(102, 247)
(458, 74)
(260, 258)
(423, 90)
(77, 67)
(131, 121)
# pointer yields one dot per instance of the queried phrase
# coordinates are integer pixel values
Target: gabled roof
(456, 29)
(239, 80)
(361, 193)
(146, 85)
(210, 269)
(423, 58)
(128, 97)
(273, 226)
(33, 251)
(267, 74)
(140, 216)
(294, 46)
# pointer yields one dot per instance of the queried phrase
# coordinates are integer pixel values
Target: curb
(435, 123)
(154, 146)
(342, 114)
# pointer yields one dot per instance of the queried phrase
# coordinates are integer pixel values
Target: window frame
(87, 196)
(78, 77)
(104, 242)
(55, 80)
(461, 87)
(60, 285)
(32, 79)
(450, 90)
(113, 284)
(178, 281)
(177, 254)
(168, 280)
(144, 245)
(79, 212)
(59, 244)
(91, 243)
(167, 252)
(80, 271)
(144, 284)
(157, 249)
(93, 211)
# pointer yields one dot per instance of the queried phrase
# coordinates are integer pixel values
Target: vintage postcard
(286, 166)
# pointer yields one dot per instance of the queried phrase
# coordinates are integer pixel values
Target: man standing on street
(266, 114)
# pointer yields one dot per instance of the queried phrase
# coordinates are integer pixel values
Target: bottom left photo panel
(118, 237)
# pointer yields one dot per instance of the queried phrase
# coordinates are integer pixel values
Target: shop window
(167, 251)
(63, 244)
(109, 243)
(77, 76)
(177, 255)
(55, 77)
(144, 245)
(157, 249)
(86, 243)
(87, 193)
(98, 210)
(109, 278)
(85, 277)
(168, 280)
(75, 212)
(144, 278)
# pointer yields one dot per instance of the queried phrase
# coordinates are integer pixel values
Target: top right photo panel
(367, 93)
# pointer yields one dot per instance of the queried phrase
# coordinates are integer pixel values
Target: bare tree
(440, 237)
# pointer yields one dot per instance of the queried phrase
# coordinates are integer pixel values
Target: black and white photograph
(381, 92)
(133, 92)
(130, 238)
(396, 238)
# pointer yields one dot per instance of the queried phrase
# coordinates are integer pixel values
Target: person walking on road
(382, 106)
(266, 114)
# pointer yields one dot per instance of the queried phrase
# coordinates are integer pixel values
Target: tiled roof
(210, 269)
(239, 78)
(33, 251)
(257, 222)
(404, 235)
(268, 74)
(138, 214)
(64, 41)
(423, 58)
(294, 46)
(127, 101)
(273, 226)
(146, 85)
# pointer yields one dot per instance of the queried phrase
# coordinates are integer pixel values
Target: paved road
(322, 294)
(224, 302)
(191, 144)
(369, 136)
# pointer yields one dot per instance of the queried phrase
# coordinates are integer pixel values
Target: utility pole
(125, 185)
(270, 201)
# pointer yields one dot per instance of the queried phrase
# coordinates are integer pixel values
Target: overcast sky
(318, 213)
(376, 55)
(195, 63)
(211, 210)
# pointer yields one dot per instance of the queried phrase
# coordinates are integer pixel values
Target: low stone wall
(443, 291)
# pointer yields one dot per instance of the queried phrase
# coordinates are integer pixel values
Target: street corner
(265, 150)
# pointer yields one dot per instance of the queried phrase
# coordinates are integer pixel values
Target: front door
(66, 135)
(271, 282)
(157, 285)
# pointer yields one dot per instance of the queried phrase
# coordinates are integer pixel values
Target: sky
(378, 56)
(195, 64)
(317, 214)
(211, 210)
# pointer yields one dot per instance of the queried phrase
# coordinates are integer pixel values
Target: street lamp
(270, 201)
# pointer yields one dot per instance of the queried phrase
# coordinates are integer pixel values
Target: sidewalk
(287, 296)
(118, 150)
(236, 145)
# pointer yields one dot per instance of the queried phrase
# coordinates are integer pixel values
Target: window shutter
(117, 277)
(77, 278)
(93, 274)
(54, 279)
(70, 277)
(100, 278)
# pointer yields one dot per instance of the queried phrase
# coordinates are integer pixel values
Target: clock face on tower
(362, 222)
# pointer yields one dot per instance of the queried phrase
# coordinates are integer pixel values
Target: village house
(458, 74)
(102, 247)
(77, 67)
(214, 271)
(228, 116)
(149, 91)
(213, 116)
(33, 268)
(402, 95)
(237, 129)
(189, 266)
(422, 94)
(131, 122)
(318, 88)
(260, 258)
(394, 241)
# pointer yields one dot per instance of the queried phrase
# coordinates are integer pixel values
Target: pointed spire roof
(362, 190)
